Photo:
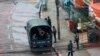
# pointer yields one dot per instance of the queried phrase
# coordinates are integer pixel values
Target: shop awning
(79, 4)
(88, 2)
(96, 9)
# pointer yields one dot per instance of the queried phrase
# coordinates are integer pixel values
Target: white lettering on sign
(41, 42)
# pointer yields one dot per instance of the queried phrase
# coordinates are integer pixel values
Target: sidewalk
(94, 51)
(66, 35)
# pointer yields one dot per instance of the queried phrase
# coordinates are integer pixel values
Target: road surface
(13, 37)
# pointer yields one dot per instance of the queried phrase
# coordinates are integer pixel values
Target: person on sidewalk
(54, 34)
(70, 48)
(77, 40)
(57, 2)
(49, 20)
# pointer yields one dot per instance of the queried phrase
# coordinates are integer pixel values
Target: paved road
(6, 8)
(13, 37)
(12, 32)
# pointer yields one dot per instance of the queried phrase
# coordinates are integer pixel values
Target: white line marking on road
(60, 55)
(11, 47)
(9, 36)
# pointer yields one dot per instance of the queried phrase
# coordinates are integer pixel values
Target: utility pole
(69, 8)
(57, 14)
(40, 10)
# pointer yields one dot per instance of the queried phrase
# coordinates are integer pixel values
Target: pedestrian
(54, 34)
(49, 20)
(70, 48)
(57, 2)
(77, 40)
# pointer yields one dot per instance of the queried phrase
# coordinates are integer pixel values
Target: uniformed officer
(54, 34)
(70, 48)
(49, 20)
(77, 40)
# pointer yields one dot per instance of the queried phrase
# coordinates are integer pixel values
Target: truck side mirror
(25, 27)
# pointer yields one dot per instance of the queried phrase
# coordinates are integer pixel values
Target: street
(13, 38)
